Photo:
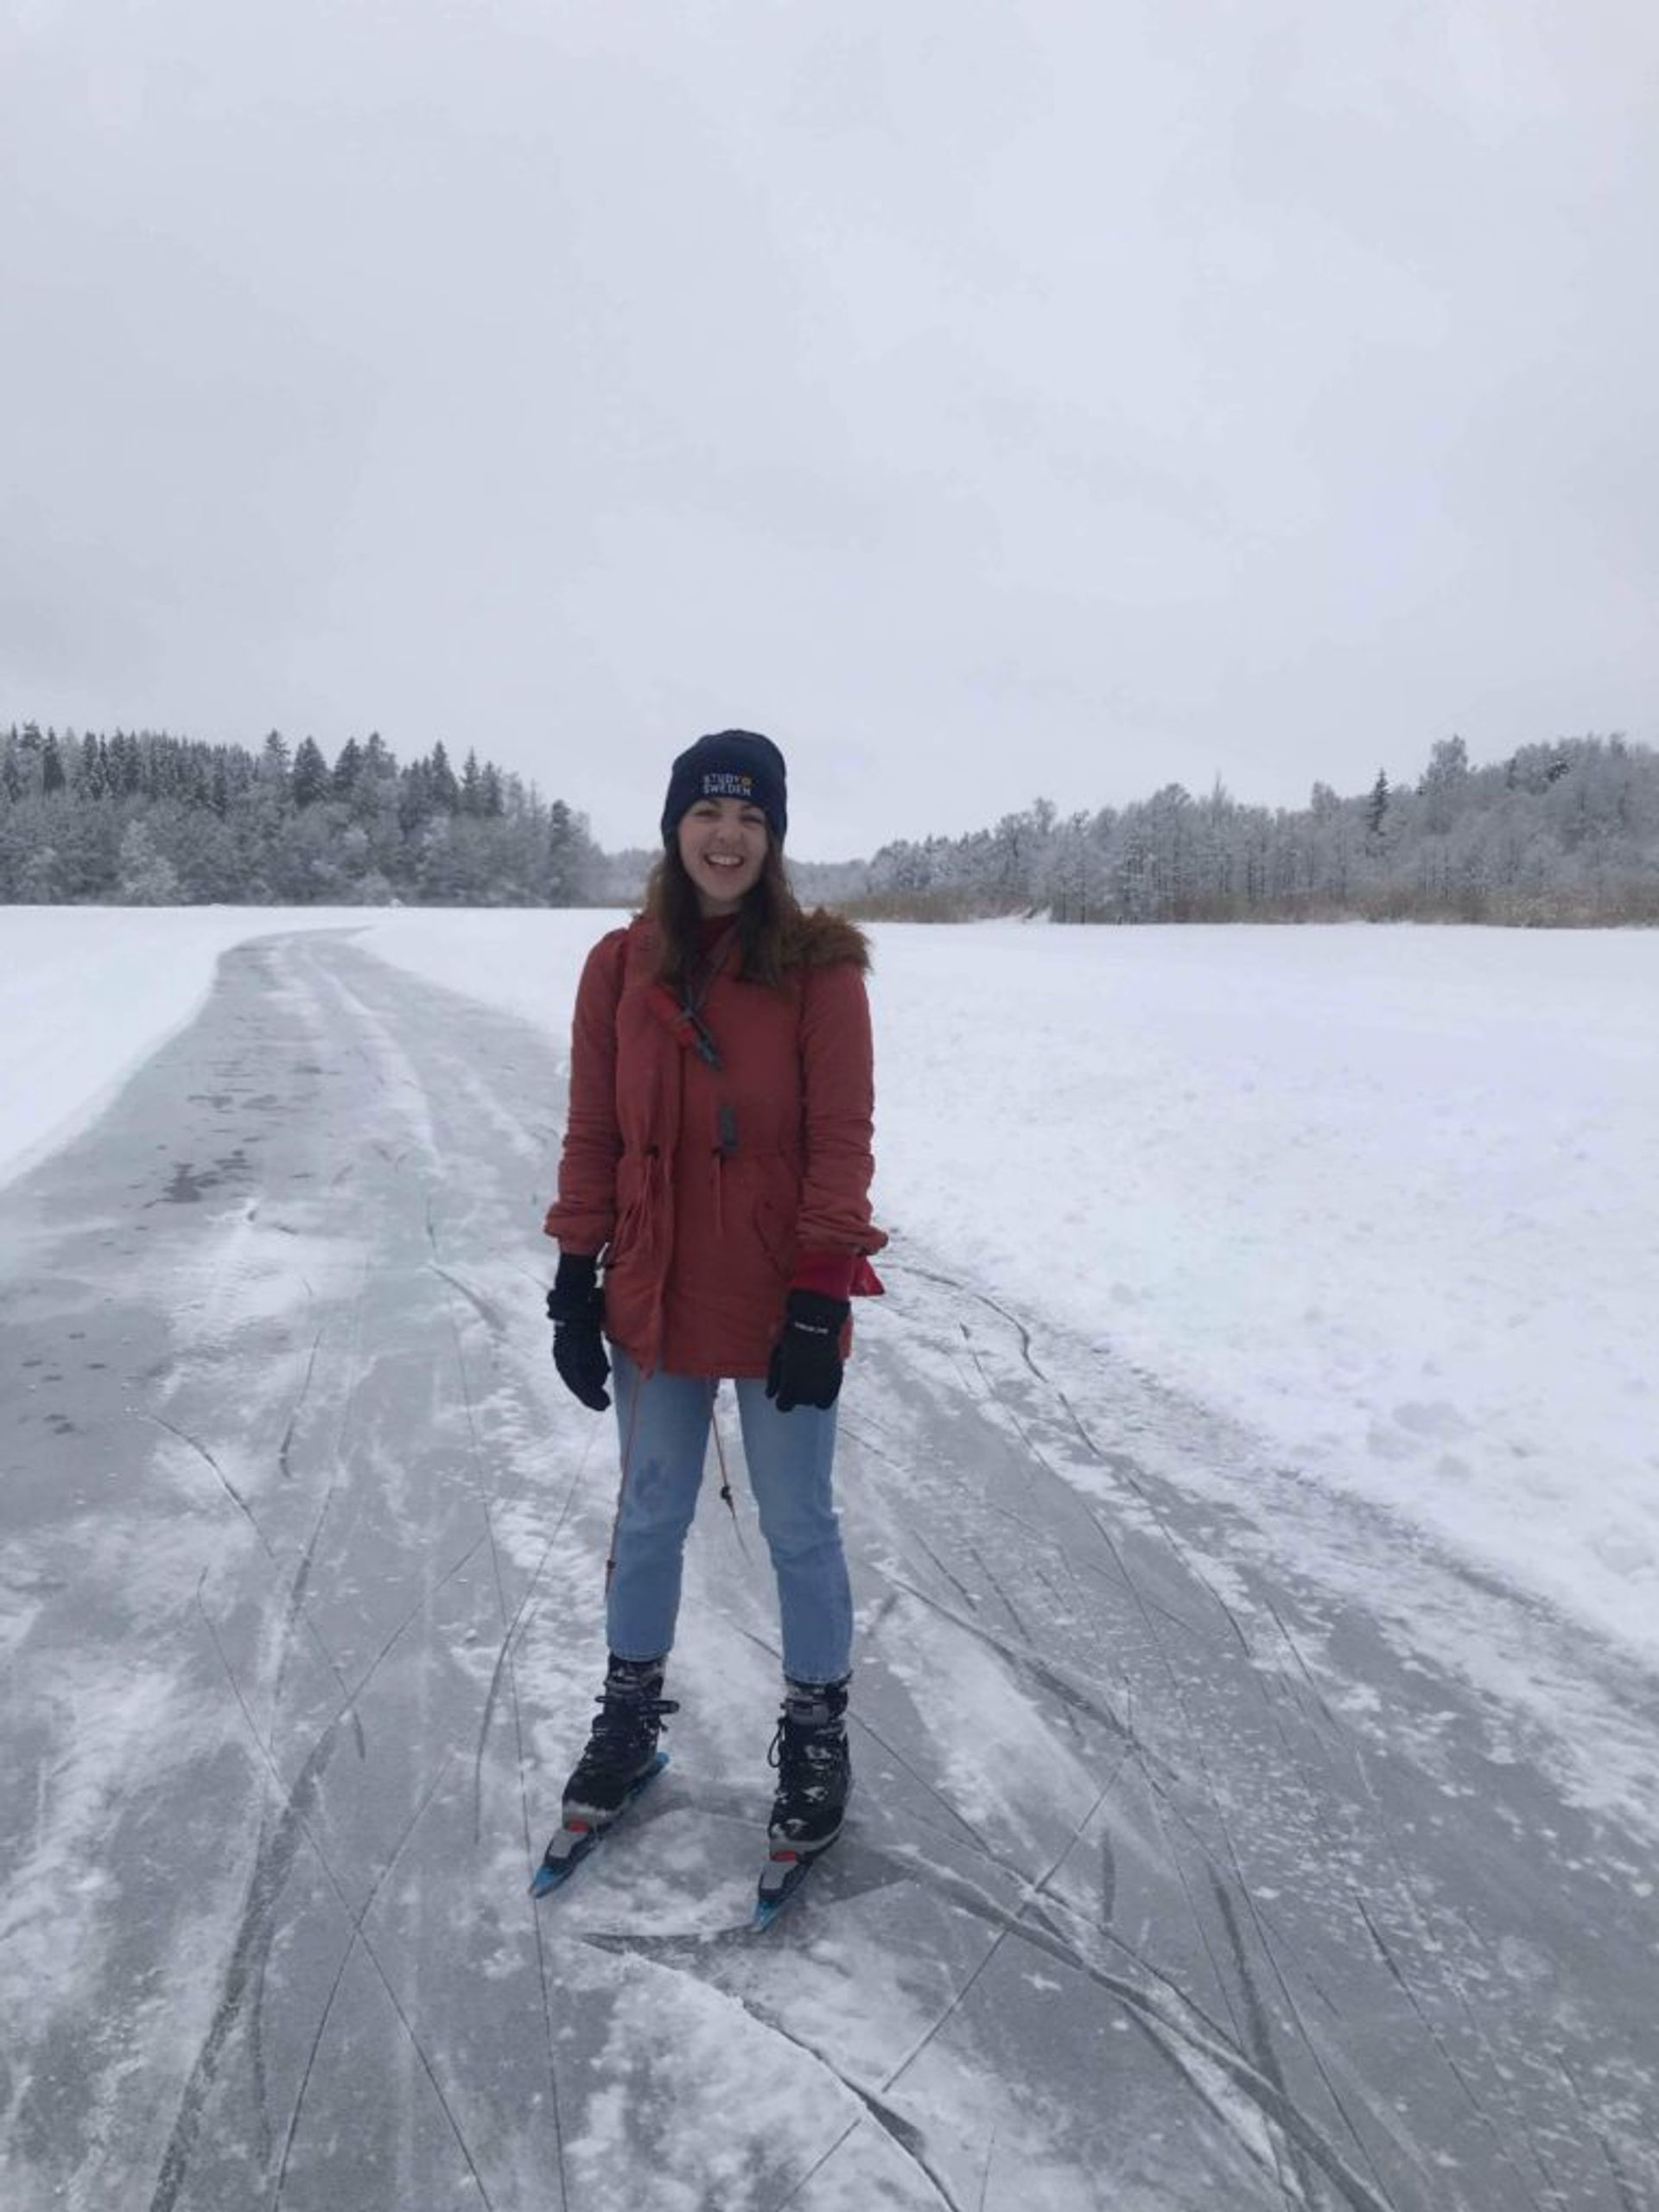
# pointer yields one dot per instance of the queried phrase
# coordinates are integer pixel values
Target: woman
(716, 1161)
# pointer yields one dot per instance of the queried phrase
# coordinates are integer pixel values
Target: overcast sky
(985, 401)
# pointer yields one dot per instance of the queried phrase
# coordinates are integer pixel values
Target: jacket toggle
(683, 1015)
(725, 1145)
(684, 1024)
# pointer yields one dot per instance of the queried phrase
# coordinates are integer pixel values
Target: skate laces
(807, 1744)
(627, 1709)
(628, 1718)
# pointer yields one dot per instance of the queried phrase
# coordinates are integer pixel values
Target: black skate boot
(621, 1758)
(621, 1754)
(814, 1780)
(815, 1768)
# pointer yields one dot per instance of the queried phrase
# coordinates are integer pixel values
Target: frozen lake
(1240, 1821)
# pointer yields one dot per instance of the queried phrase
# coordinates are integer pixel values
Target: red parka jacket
(705, 1186)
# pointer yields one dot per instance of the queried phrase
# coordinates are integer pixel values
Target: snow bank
(88, 993)
(1385, 1195)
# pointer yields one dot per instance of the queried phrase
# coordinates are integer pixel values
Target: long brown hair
(768, 921)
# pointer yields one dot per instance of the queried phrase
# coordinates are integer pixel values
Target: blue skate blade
(783, 1880)
(570, 1846)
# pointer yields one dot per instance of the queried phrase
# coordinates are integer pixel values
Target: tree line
(1560, 834)
(1557, 834)
(142, 818)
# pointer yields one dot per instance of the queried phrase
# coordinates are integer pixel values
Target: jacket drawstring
(639, 1381)
(725, 1472)
(622, 1481)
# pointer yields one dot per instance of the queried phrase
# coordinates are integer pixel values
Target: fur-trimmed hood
(822, 938)
(825, 940)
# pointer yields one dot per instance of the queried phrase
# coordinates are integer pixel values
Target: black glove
(805, 1369)
(576, 1306)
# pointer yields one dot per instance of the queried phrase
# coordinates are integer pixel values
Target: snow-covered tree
(309, 779)
(146, 879)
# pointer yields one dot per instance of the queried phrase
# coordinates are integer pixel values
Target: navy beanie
(733, 764)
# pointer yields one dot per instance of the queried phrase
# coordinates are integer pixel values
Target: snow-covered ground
(1235, 1825)
(1386, 1197)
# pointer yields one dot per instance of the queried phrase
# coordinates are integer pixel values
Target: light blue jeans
(663, 1420)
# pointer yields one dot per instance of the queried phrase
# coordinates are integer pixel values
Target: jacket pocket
(635, 1175)
(776, 1237)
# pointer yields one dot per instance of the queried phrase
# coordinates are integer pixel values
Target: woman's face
(723, 845)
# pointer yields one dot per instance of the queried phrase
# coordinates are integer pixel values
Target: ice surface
(1229, 1829)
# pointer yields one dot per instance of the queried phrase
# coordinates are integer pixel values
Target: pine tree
(348, 767)
(568, 856)
(471, 786)
(309, 777)
(414, 805)
(445, 790)
(127, 764)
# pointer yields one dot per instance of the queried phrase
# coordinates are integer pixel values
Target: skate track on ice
(1180, 1876)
